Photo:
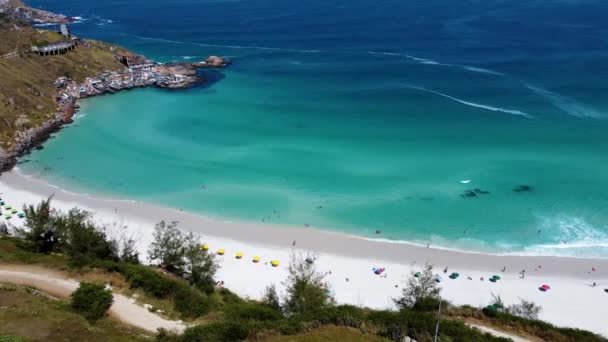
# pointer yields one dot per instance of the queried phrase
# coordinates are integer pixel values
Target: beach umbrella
(496, 277)
(417, 274)
(256, 259)
(493, 279)
(239, 255)
(438, 279)
(8, 216)
(274, 263)
(21, 215)
(454, 275)
(15, 211)
(205, 247)
(221, 251)
(546, 287)
(8, 207)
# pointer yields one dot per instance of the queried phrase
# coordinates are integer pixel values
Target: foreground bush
(216, 332)
(92, 300)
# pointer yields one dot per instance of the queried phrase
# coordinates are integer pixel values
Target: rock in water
(522, 188)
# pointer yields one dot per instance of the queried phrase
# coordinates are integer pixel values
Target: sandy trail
(54, 283)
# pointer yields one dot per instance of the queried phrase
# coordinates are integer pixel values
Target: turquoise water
(355, 117)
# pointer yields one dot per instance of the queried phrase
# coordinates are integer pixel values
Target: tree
(526, 309)
(168, 247)
(41, 231)
(271, 297)
(201, 264)
(92, 300)
(419, 289)
(307, 292)
(86, 242)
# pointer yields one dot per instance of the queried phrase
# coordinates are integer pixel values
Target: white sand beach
(571, 301)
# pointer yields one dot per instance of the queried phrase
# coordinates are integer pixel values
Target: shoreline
(282, 235)
(347, 261)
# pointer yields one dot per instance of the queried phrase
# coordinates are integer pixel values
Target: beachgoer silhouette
(294, 243)
(445, 270)
(504, 268)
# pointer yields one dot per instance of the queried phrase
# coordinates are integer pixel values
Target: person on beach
(504, 268)
(594, 284)
(294, 243)
(523, 274)
(428, 245)
(445, 270)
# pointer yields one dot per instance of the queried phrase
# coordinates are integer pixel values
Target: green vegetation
(26, 82)
(92, 301)
(307, 312)
(28, 315)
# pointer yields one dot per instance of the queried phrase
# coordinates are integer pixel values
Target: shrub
(86, 242)
(41, 232)
(420, 286)
(216, 332)
(190, 302)
(168, 247)
(307, 292)
(427, 304)
(152, 282)
(525, 308)
(254, 312)
(271, 298)
(344, 315)
(91, 300)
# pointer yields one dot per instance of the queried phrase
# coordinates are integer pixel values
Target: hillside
(27, 92)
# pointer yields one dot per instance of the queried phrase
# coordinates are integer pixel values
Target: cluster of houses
(141, 75)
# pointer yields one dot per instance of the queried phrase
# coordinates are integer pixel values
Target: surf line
(473, 104)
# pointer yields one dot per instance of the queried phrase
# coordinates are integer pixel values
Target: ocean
(472, 125)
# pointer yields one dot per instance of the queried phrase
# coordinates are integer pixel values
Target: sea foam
(473, 104)
(566, 104)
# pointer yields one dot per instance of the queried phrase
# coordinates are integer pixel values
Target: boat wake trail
(566, 104)
(227, 46)
(432, 62)
(473, 104)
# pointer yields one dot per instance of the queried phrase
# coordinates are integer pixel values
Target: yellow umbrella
(274, 263)
(221, 251)
(205, 247)
(256, 259)
(239, 255)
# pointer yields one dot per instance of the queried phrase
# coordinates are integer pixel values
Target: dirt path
(497, 333)
(56, 284)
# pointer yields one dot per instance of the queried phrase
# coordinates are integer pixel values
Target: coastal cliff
(44, 73)
(19, 11)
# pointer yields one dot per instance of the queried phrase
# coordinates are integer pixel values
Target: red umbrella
(546, 287)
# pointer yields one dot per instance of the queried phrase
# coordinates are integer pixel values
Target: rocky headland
(93, 68)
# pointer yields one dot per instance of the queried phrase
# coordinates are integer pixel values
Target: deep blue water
(360, 115)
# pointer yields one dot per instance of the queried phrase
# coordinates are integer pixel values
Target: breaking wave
(476, 105)
(566, 104)
(570, 236)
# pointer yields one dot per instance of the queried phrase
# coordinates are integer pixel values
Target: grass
(26, 82)
(328, 333)
(27, 314)
(11, 253)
